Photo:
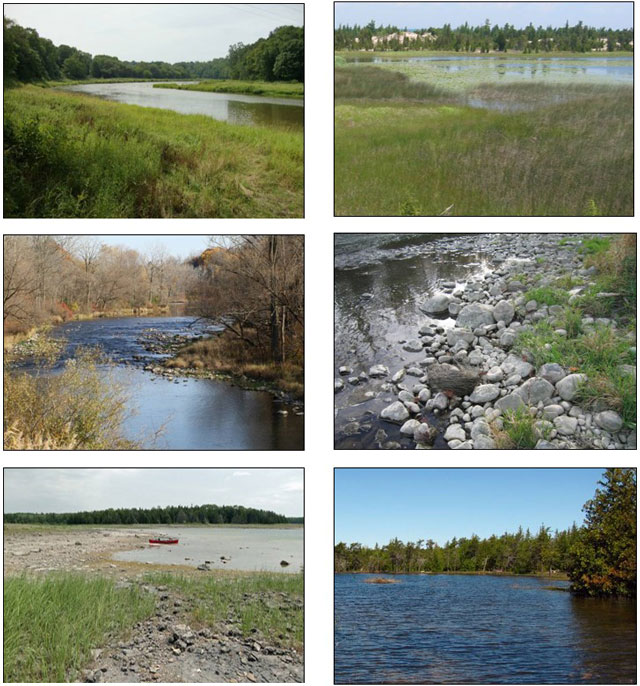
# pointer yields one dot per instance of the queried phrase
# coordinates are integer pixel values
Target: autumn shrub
(77, 408)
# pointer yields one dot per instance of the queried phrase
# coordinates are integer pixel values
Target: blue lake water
(437, 629)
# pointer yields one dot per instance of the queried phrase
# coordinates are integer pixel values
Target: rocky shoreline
(462, 375)
(164, 347)
(167, 647)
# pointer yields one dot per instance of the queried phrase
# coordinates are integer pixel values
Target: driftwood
(449, 379)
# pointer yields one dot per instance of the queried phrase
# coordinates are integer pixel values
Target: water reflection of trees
(606, 633)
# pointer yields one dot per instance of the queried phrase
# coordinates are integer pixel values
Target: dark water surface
(441, 629)
(259, 549)
(380, 281)
(251, 110)
(190, 414)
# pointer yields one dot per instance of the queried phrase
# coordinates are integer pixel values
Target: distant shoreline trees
(29, 58)
(178, 514)
(600, 557)
(484, 38)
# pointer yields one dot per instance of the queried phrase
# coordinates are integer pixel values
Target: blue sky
(376, 505)
(75, 490)
(179, 246)
(615, 15)
(147, 32)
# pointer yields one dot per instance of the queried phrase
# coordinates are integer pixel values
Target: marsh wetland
(458, 135)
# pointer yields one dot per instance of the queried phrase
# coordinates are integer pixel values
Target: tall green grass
(71, 155)
(399, 141)
(269, 602)
(51, 623)
(274, 89)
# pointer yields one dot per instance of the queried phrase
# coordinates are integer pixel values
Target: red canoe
(165, 540)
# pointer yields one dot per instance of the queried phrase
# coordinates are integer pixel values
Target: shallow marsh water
(234, 108)
(259, 549)
(459, 70)
(181, 413)
(479, 629)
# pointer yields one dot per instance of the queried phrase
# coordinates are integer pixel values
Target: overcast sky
(416, 15)
(74, 490)
(167, 33)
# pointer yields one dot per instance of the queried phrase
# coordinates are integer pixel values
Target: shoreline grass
(73, 155)
(274, 89)
(224, 355)
(272, 603)
(51, 623)
(403, 148)
(401, 54)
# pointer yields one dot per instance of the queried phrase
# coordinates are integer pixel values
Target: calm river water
(191, 414)
(479, 629)
(234, 108)
(252, 549)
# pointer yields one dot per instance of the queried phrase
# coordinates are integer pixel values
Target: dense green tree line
(172, 514)
(517, 553)
(280, 57)
(599, 557)
(30, 58)
(465, 38)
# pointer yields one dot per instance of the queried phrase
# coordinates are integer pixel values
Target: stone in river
(609, 420)
(396, 412)
(436, 304)
(485, 393)
(378, 370)
(475, 315)
(413, 346)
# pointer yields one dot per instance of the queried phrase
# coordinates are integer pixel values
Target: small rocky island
(535, 352)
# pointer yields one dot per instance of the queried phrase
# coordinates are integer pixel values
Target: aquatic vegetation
(274, 89)
(525, 149)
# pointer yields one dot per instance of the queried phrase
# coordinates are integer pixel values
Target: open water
(446, 629)
(250, 110)
(259, 549)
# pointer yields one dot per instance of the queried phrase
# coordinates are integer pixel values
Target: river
(231, 107)
(259, 549)
(440, 629)
(181, 413)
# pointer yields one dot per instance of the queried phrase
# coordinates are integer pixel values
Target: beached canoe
(164, 540)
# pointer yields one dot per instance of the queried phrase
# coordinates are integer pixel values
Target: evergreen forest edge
(172, 514)
(30, 58)
(599, 557)
(485, 38)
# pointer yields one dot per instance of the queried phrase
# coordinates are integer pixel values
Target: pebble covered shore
(471, 375)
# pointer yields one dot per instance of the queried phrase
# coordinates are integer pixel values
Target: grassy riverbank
(273, 89)
(51, 623)
(71, 155)
(408, 147)
(225, 356)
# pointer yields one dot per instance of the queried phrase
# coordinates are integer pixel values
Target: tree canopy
(518, 553)
(483, 38)
(172, 514)
(30, 58)
(603, 559)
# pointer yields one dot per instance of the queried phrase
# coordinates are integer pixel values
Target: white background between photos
(319, 458)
